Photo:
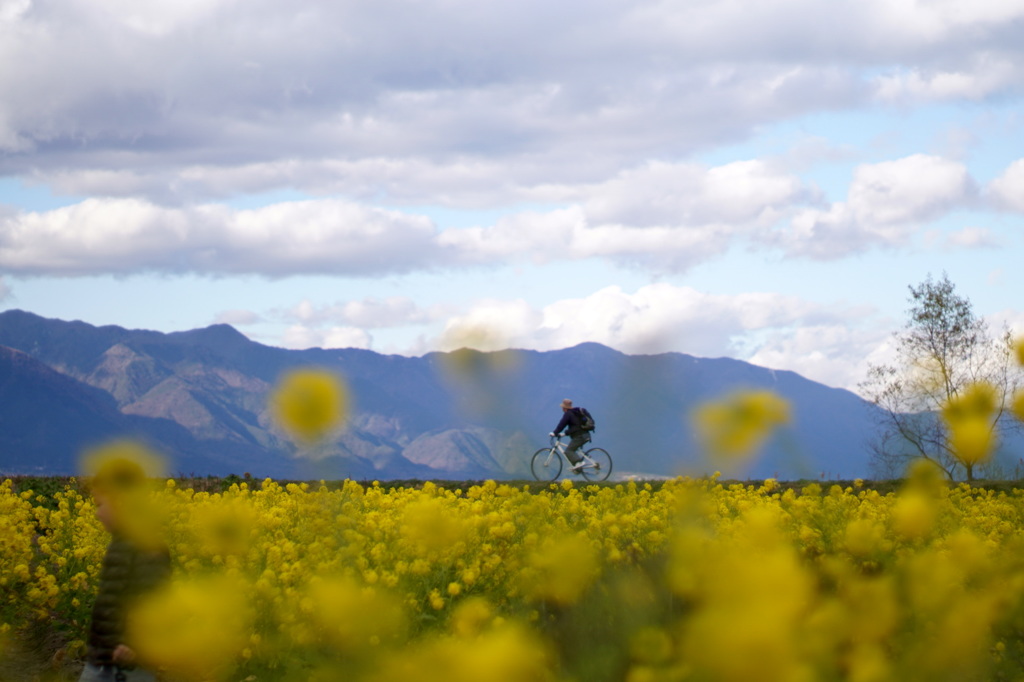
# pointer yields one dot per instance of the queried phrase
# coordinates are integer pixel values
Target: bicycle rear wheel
(602, 467)
(546, 464)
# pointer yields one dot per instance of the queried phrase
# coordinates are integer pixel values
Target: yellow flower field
(689, 580)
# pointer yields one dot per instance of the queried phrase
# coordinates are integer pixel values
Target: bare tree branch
(943, 349)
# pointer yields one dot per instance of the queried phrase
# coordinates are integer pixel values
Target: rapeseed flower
(471, 617)
(970, 420)
(350, 617)
(561, 569)
(690, 579)
(310, 403)
(121, 467)
(913, 515)
(650, 645)
(1017, 404)
(194, 629)
(430, 525)
(738, 425)
(123, 474)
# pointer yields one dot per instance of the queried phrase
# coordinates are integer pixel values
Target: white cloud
(885, 206)
(220, 96)
(664, 194)
(156, 18)
(990, 74)
(972, 237)
(369, 313)
(667, 217)
(826, 343)
(388, 312)
(299, 337)
(1008, 188)
(566, 233)
(493, 325)
(1011, 318)
(833, 354)
(127, 236)
(656, 318)
(663, 217)
(911, 189)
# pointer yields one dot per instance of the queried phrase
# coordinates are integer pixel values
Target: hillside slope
(461, 414)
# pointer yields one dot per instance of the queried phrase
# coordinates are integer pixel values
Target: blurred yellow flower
(429, 526)
(1017, 406)
(120, 467)
(913, 515)
(864, 537)
(310, 403)
(650, 645)
(925, 475)
(970, 420)
(680, 580)
(224, 529)
(561, 569)
(471, 617)
(193, 629)
(350, 616)
(504, 654)
(738, 425)
(124, 474)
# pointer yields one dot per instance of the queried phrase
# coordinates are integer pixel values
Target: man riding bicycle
(572, 421)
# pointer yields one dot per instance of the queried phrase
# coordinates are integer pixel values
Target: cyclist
(572, 422)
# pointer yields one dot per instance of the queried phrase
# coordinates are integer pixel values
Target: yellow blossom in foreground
(650, 645)
(970, 420)
(428, 525)
(506, 654)
(561, 569)
(309, 403)
(679, 580)
(123, 474)
(1017, 406)
(193, 629)
(121, 467)
(925, 475)
(913, 515)
(739, 424)
(471, 617)
(350, 616)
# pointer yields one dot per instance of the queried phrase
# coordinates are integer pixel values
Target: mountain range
(200, 397)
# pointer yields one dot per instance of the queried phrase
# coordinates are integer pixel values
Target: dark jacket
(573, 421)
(127, 572)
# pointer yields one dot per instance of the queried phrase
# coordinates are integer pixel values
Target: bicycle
(547, 462)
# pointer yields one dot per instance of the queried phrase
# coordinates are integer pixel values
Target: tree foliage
(943, 353)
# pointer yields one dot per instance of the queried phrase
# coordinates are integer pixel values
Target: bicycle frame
(559, 446)
(595, 463)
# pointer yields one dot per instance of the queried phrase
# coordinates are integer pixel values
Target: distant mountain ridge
(200, 396)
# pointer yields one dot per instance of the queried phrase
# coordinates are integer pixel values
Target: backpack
(586, 421)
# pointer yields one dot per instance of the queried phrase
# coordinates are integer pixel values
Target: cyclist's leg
(575, 444)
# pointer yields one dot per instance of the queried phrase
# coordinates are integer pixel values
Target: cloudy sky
(760, 180)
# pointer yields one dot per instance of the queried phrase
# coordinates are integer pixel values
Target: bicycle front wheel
(602, 465)
(546, 464)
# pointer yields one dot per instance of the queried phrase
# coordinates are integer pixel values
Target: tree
(947, 364)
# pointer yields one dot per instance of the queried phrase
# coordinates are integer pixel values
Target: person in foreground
(572, 423)
(131, 568)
